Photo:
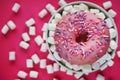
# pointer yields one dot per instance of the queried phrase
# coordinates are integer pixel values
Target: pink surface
(10, 42)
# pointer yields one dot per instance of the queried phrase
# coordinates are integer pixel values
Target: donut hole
(82, 37)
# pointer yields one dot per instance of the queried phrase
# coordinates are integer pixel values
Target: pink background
(10, 42)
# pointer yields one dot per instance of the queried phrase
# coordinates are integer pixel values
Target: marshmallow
(108, 56)
(55, 67)
(43, 63)
(62, 3)
(16, 7)
(112, 13)
(78, 74)
(43, 47)
(104, 66)
(86, 68)
(42, 13)
(63, 69)
(11, 24)
(33, 74)
(113, 33)
(69, 72)
(113, 44)
(109, 50)
(44, 35)
(38, 40)
(29, 63)
(50, 8)
(22, 74)
(53, 48)
(51, 40)
(118, 53)
(64, 13)
(12, 55)
(110, 63)
(5, 29)
(76, 7)
(44, 28)
(76, 67)
(67, 63)
(96, 65)
(50, 57)
(94, 11)
(112, 55)
(82, 78)
(49, 69)
(30, 22)
(56, 55)
(51, 33)
(32, 30)
(24, 45)
(101, 15)
(100, 77)
(25, 36)
(109, 22)
(51, 26)
(35, 58)
(83, 6)
(68, 8)
(57, 17)
(102, 60)
(107, 4)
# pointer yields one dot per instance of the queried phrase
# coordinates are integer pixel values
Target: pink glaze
(81, 38)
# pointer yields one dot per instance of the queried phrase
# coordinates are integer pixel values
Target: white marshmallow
(82, 78)
(29, 63)
(63, 69)
(44, 35)
(69, 72)
(86, 68)
(64, 13)
(24, 45)
(94, 11)
(109, 50)
(58, 17)
(76, 7)
(107, 4)
(67, 64)
(43, 47)
(78, 74)
(83, 6)
(104, 66)
(57, 56)
(113, 44)
(109, 22)
(22, 74)
(43, 63)
(35, 58)
(55, 67)
(101, 15)
(16, 7)
(5, 29)
(30, 22)
(33, 74)
(53, 48)
(68, 8)
(50, 8)
(51, 40)
(11, 24)
(100, 77)
(112, 13)
(96, 65)
(76, 67)
(113, 33)
(62, 3)
(38, 40)
(25, 36)
(112, 55)
(50, 57)
(51, 26)
(51, 33)
(12, 55)
(110, 63)
(49, 69)
(32, 30)
(44, 28)
(118, 53)
(42, 13)
(108, 56)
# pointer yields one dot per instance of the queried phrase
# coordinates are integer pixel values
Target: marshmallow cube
(51, 40)
(56, 55)
(42, 13)
(100, 77)
(44, 35)
(43, 47)
(63, 69)
(32, 30)
(112, 13)
(5, 29)
(38, 40)
(25, 37)
(76, 67)
(107, 4)
(50, 57)
(68, 8)
(51, 33)
(78, 75)
(52, 48)
(11, 24)
(113, 44)
(33, 74)
(58, 17)
(35, 58)
(62, 3)
(104, 66)
(55, 67)
(118, 53)
(51, 8)
(49, 69)
(83, 6)
(12, 56)
(86, 68)
(101, 15)
(109, 22)
(113, 33)
(69, 72)
(64, 13)
(24, 45)
(29, 63)
(43, 63)
(44, 28)
(96, 65)
(16, 7)
(94, 11)
(30, 22)
(51, 26)
(110, 63)
(22, 74)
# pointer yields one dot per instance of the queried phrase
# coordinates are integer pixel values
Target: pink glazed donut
(81, 38)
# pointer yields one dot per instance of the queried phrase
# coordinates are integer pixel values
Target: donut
(81, 37)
